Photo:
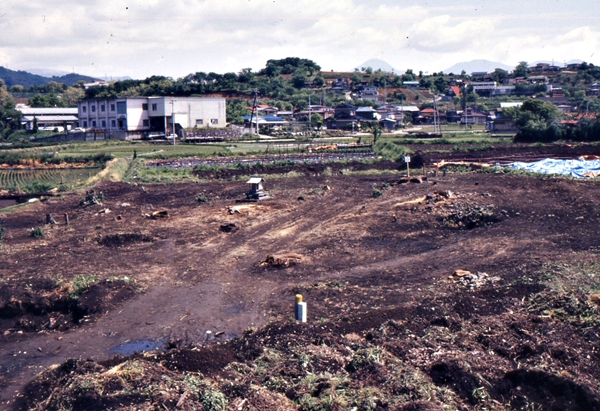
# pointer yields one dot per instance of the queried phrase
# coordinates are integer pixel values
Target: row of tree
(539, 121)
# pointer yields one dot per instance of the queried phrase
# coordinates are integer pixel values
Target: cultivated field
(52, 177)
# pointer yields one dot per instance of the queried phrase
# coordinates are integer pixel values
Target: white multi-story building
(483, 86)
(152, 114)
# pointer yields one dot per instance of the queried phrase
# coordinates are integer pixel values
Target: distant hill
(377, 64)
(477, 65)
(61, 73)
(46, 72)
(25, 79)
(110, 78)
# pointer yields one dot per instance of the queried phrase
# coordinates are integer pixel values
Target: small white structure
(257, 191)
(300, 309)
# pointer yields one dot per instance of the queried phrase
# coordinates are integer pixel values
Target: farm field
(126, 149)
(53, 177)
(467, 291)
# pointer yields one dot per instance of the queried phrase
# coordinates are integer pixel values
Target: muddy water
(7, 203)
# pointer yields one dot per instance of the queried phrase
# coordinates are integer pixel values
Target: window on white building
(93, 109)
(145, 106)
(94, 123)
(102, 108)
(103, 123)
(154, 106)
(146, 123)
(214, 121)
(83, 109)
(113, 123)
(112, 107)
(199, 122)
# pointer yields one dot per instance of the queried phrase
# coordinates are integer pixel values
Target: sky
(141, 38)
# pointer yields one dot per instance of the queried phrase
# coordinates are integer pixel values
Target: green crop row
(32, 180)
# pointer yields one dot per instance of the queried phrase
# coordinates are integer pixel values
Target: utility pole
(384, 91)
(309, 123)
(173, 119)
(255, 110)
(436, 127)
(464, 96)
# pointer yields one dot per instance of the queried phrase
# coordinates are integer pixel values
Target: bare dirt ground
(390, 326)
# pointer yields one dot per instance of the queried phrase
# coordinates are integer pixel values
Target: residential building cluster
(161, 116)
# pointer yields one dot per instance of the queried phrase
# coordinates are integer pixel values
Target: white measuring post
(407, 161)
(300, 309)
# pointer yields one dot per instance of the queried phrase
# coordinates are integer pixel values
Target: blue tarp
(573, 168)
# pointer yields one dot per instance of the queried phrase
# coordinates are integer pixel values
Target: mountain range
(26, 79)
(377, 64)
(38, 77)
(477, 66)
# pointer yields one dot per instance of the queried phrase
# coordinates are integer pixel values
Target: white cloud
(176, 37)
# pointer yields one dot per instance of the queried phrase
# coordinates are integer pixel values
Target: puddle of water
(7, 203)
(236, 309)
(132, 347)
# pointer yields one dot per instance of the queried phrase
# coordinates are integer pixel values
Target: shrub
(390, 150)
(37, 232)
(37, 186)
(213, 400)
(364, 357)
(202, 198)
(376, 193)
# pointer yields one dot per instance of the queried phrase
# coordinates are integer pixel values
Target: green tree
(46, 100)
(441, 85)
(409, 76)
(72, 96)
(17, 88)
(319, 81)
(316, 120)
(425, 83)
(536, 121)
(299, 79)
(236, 110)
(376, 130)
(467, 96)
(10, 119)
(55, 87)
(521, 70)
(499, 75)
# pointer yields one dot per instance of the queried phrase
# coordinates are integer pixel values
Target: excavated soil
(390, 327)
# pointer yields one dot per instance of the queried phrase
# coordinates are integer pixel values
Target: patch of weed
(37, 232)
(80, 284)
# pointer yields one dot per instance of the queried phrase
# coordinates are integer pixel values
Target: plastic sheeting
(573, 168)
